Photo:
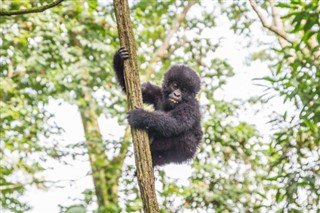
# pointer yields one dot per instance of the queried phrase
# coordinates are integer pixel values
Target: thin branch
(140, 138)
(10, 187)
(27, 11)
(160, 53)
(38, 182)
(277, 22)
(273, 28)
(279, 25)
(124, 148)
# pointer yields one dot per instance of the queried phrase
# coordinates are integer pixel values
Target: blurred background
(65, 142)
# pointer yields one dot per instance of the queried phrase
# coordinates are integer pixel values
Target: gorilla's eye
(174, 85)
(184, 90)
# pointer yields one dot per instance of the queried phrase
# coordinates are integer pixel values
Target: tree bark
(132, 80)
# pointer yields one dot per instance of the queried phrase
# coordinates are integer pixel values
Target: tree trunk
(105, 173)
(132, 80)
(96, 155)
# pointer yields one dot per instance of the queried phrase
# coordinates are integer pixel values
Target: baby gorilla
(174, 127)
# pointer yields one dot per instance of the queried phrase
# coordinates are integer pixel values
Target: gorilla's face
(180, 84)
(176, 93)
(175, 96)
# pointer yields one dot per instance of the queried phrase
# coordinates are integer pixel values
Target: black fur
(174, 127)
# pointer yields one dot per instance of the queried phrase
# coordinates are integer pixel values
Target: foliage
(65, 53)
(295, 148)
(294, 63)
(41, 57)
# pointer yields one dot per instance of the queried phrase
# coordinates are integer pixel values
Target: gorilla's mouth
(173, 101)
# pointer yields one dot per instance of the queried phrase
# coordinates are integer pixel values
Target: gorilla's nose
(177, 94)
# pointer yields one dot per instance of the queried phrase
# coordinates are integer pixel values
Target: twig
(279, 25)
(277, 21)
(165, 45)
(273, 28)
(37, 182)
(32, 10)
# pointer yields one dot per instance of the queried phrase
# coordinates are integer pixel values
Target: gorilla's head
(180, 84)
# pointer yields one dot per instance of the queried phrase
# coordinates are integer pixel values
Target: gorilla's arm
(118, 66)
(165, 124)
(151, 94)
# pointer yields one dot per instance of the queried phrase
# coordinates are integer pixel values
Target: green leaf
(284, 5)
(76, 209)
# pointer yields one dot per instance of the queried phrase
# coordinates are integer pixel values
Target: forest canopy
(63, 121)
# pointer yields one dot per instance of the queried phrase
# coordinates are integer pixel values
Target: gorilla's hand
(123, 52)
(149, 90)
(136, 118)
